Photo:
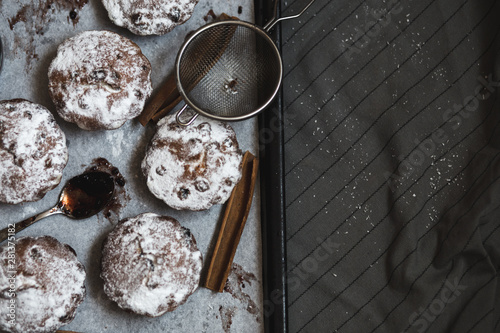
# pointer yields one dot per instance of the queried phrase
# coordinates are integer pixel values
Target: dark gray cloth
(392, 165)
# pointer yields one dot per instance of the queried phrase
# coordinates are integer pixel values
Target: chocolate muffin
(49, 285)
(192, 167)
(99, 80)
(33, 151)
(149, 17)
(150, 264)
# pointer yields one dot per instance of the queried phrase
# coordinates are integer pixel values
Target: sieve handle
(178, 117)
(269, 25)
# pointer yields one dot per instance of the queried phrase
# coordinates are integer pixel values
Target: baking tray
(271, 143)
(31, 31)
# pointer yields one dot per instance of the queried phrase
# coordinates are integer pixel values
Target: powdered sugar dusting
(192, 167)
(50, 284)
(33, 151)
(150, 264)
(149, 17)
(99, 80)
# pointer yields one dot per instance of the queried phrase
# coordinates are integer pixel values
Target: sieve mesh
(229, 70)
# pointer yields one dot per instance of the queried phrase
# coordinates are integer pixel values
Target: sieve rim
(196, 33)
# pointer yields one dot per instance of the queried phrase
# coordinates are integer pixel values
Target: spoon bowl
(86, 195)
(83, 196)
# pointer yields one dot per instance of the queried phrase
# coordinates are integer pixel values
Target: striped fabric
(392, 162)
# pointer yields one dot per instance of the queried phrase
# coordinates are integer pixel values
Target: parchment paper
(31, 32)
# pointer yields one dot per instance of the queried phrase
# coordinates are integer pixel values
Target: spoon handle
(4, 233)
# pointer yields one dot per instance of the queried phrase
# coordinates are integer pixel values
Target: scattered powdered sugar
(192, 167)
(33, 151)
(150, 264)
(49, 285)
(149, 17)
(99, 80)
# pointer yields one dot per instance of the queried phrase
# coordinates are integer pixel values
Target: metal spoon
(83, 196)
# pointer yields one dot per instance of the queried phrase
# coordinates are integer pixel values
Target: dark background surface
(391, 168)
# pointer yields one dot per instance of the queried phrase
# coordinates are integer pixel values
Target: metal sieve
(229, 70)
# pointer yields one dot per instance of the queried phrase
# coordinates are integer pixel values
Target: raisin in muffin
(99, 80)
(150, 264)
(33, 151)
(149, 17)
(192, 167)
(49, 285)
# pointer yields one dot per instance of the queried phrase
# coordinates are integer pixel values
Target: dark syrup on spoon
(120, 198)
(87, 194)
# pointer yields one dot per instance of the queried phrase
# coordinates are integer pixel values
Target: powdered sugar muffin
(99, 80)
(192, 167)
(49, 285)
(149, 17)
(33, 151)
(150, 264)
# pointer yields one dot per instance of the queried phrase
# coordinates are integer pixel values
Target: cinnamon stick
(233, 222)
(165, 94)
